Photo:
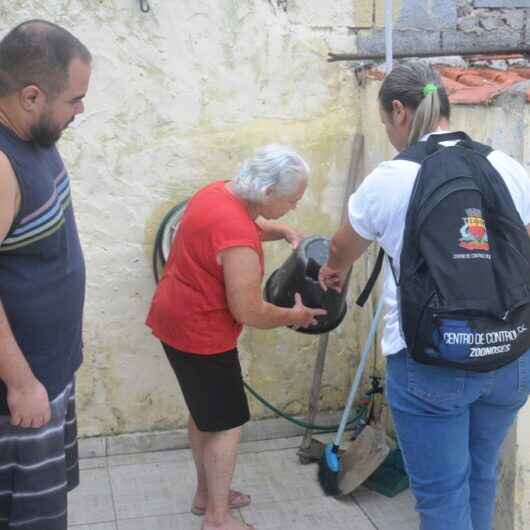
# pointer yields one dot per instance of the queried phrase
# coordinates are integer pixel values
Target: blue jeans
(450, 425)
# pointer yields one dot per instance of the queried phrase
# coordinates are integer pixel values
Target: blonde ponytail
(426, 117)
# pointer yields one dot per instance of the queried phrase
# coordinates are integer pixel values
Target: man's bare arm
(26, 397)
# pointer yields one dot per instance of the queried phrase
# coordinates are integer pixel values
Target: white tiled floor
(152, 491)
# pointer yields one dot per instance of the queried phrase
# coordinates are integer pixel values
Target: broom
(329, 465)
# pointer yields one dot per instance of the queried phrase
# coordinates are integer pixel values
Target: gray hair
(405, 83)
(273, 166)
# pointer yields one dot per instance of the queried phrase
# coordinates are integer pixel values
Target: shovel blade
(365, 454)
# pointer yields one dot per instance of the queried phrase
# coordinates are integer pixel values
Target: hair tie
(429, 88)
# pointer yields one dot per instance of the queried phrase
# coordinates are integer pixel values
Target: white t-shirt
(377, 212)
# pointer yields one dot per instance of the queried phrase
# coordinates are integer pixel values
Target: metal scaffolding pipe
(388, 36)
(332, 57)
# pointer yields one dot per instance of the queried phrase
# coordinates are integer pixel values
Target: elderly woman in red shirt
(210, 289)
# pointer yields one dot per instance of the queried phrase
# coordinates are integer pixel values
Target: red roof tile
(479, 85)
(522, 72)
(452, 86)
(468, 79)
(474, 85)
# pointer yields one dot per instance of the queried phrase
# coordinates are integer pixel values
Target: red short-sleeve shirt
(189, 310)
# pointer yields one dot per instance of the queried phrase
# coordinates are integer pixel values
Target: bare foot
(230, 523)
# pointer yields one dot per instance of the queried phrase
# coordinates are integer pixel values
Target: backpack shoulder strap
(483, 149)
(419, 151)
(414, 153)
(361, 300)
(434, 142)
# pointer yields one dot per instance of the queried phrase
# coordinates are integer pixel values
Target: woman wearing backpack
(450, 422)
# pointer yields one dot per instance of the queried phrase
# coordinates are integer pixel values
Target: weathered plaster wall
(522, 477)
(522, 447)
(179, 96)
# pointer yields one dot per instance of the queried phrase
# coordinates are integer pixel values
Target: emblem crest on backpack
(473, 234)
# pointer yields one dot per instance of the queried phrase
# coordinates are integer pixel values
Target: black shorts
(212, 386)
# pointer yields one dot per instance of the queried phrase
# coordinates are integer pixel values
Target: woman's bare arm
(242, 277)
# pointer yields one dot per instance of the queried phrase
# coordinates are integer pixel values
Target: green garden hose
(362, 410)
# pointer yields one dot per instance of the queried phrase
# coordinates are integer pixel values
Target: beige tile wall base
(141, 442)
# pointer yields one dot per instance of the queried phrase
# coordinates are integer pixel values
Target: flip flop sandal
(236, 500)
(250, 526)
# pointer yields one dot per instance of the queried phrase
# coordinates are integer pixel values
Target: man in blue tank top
(44, 76)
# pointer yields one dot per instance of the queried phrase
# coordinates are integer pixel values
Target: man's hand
(305, 316)
(329, 278)
(29, 405)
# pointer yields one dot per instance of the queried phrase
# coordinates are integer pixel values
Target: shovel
(365, 454)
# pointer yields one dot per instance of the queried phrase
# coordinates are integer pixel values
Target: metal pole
(360, 370)
(307, 450)
(332, 57)
(388, 36)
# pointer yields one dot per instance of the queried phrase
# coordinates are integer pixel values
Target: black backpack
(464, 286)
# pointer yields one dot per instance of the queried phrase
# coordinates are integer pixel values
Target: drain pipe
(388, 36)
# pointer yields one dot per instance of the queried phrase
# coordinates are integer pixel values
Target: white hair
(273, 166)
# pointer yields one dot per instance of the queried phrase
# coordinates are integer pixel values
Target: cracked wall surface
(178, 98)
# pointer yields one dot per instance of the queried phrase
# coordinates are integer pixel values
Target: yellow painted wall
(178, 98)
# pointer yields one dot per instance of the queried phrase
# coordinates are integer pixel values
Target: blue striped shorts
(38, 467)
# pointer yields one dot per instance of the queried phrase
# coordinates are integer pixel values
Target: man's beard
(46, 133)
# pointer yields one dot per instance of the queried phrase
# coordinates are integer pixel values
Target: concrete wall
(179, 97)
(448, 25)
(522, 446)
(522, 477)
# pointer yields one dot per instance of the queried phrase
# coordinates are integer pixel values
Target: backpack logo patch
(473, 234)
